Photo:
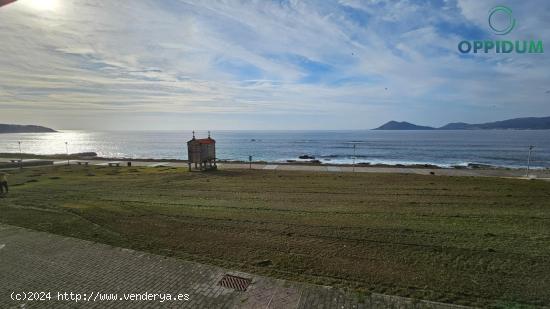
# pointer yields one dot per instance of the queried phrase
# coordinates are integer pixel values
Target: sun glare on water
(43, 5)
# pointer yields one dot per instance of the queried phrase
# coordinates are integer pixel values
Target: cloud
(333, 59)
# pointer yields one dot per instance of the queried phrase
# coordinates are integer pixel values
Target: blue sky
(185, 64)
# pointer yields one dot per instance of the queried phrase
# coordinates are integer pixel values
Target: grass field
(474, 241)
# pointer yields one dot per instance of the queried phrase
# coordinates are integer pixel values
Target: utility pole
(20, 156)
(529, 159)
(67, 149)
(354, 156)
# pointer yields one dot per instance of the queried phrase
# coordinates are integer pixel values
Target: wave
(365, 160)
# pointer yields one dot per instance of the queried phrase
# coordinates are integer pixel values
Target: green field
(475, 241)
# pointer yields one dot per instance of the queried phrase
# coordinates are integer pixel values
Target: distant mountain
(529, 123)
(455, 126)
(395, 125)
(14, 128)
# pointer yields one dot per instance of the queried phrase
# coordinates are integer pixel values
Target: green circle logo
(501, 10)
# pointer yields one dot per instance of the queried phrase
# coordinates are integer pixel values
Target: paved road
(33, 261)
(516, 173)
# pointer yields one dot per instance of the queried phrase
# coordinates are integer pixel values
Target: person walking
(4, 183)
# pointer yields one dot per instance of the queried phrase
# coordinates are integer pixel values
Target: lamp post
(20, 156)
(354, 155)
(529, 159)
(67, 149)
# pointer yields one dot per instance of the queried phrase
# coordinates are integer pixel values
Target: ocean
(506, 148)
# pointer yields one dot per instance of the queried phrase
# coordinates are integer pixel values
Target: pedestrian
(4, 183)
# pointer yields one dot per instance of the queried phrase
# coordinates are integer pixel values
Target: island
(527, 123)
(395, 125)
(15, 128)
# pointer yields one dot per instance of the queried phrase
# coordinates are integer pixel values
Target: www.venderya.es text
(97, 296)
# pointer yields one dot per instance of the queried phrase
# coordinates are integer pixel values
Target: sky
(273, 65)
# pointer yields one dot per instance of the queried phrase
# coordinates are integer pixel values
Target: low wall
(25, 163)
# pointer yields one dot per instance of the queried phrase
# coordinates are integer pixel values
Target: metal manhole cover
(234, 282)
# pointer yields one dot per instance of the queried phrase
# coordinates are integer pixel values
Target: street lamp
(354, 155)
(20, 156)
(67, 149)
(529, 159)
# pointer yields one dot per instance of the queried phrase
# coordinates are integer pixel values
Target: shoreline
(297, 162)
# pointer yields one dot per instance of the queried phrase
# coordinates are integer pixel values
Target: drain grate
(234, 282)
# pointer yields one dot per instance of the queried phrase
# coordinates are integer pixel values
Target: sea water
(508, 148)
